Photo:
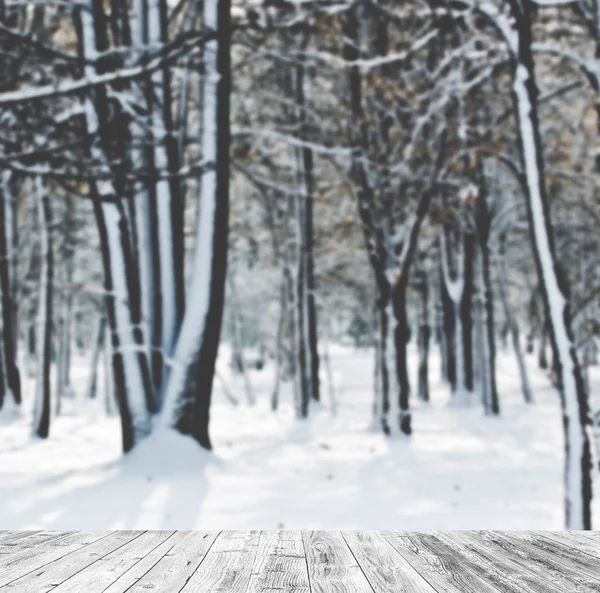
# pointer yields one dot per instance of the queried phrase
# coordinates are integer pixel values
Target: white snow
(194, 320)
(459, 470)
(556, 301)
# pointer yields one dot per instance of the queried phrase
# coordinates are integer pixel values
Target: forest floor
(459, 470)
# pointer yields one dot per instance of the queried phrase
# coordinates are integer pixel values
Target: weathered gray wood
(35, 538)
(505, 575)
(12, 536)
(136, 572)
(563, 554)
(227, 565)
(295, 562)
(332, 568)
(48, 577)
(280, 564)
(576, 539)
(175, 568)
(384, 567)
(98, 576)
(534, 561)
(445, 572)
(30, 559)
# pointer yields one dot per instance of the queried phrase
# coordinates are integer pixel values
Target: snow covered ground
(460, 470)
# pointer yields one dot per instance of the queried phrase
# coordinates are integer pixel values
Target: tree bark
(576, 421)
(10, 385)
(41, 415)
(189, 389)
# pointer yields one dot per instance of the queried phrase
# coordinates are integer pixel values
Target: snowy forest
(299, 263)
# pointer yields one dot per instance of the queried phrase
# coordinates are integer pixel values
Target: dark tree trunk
(483, 225)
(466, 308)
(401, 333)
(448, 342)
(311, 341)
(542, 354)
(189, 390)
(41, 425)
(424, 337)
(576, 418)
(11, 379)
(97, 346)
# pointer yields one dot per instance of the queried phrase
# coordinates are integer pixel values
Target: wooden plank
(18, 565)
(176, 567)
(11, 536)
(102, 573)
(280, 564)
(578, 539)
(228, 564)
(49, 576)
(563, 554)
(384, 567)
(136, 572)
(536, 562)
(444, 572)
(332, 568)
(494, 568)
(36, 538)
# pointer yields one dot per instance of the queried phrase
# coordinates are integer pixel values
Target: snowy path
(460, 470)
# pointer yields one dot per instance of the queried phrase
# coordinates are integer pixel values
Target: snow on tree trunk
(303, 94)
(188, 393)
(10, 385)
(41, 413)
(131, 373)
(454, 288)
(576, 421)
(168, 207)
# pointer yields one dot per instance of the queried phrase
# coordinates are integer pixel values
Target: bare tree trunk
(131, 372)
(10, 385)
(96, 350)
(424, 336)
(189, 389)
(512, 323)
(483, 226)
(576, 421)
(41, 417)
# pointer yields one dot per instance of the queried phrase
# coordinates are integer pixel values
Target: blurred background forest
(299, 263)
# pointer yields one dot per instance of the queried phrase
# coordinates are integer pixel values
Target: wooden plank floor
(300, 562)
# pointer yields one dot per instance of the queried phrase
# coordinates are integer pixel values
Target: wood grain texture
(536, 562)
(445, 572)
(227, 565)
(576, 539)
(175, 568)
(51, 575)
(563, 554)
(386, 570)
(98, 576)
(18, 565)
(30, 540)
(332, 567)
(11, 536)
(280, 564)
(300, 562)
(131, 577)
(505, 575)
